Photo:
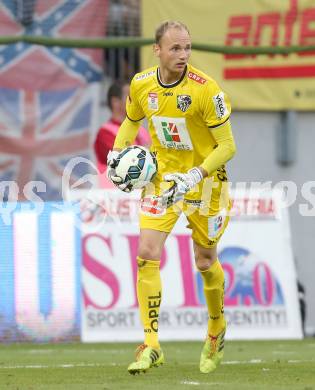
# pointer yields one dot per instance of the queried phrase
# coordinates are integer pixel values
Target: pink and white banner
(261, 295)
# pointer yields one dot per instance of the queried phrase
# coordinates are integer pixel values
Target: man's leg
(149, 292)
(212, 274)
(149, 288)
(213, 281)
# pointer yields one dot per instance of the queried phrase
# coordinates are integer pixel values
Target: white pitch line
(259, 361)
(38, 351)
(73, 365)
(189, 383)
(48, 351)
(193, 383)
(256, 361)
(66, 365)
(252, 361)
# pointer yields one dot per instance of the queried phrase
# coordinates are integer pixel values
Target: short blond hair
(163, 27)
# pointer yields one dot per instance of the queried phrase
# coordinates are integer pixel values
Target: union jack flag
(48, 94)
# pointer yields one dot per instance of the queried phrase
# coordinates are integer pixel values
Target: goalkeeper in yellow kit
(188, 116)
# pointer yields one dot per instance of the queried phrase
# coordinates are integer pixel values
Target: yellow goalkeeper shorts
(207, 228)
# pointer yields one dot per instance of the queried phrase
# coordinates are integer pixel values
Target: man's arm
(126, 135)
(128, 130)
(185, 182)
(223, 152)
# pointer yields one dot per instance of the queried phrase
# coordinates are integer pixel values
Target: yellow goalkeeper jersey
(180, 116)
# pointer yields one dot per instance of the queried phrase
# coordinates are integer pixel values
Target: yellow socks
(213, 283)
(149, 291)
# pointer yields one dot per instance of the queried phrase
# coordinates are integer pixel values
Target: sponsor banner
(182, 323)
(255, 251)
(39, 272)
(253, 82)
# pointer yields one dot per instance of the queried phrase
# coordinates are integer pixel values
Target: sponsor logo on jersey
(168, 94)
(195, 203)
(183, 102)
(216, 223)
(197, 78)
(172, 132)
(144, 75)
(220, 106)
(153, 101)
(152, 205)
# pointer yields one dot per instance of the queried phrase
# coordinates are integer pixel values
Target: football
(136, 165)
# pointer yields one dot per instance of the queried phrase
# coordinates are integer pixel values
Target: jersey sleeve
(133, 108)
(215, 105)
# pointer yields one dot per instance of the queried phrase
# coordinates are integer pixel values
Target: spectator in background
(116, 100)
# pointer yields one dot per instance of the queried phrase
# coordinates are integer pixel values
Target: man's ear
(156, 50)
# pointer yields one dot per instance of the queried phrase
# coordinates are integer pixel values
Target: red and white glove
(183, 183)
(111, 172)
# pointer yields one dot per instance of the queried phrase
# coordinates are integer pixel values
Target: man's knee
(204, 263)
(205, 257)
(149, 251)
(151, 244)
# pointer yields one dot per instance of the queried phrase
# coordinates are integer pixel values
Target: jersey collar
(173, 84)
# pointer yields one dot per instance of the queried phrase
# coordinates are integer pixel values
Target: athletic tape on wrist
(196, 174)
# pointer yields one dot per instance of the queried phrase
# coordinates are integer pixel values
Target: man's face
(174, 50)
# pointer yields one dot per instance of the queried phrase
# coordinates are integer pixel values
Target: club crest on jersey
(153, 101)
(183, 102)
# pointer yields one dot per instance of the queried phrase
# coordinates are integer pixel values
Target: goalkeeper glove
(112, 163)
(183, 183)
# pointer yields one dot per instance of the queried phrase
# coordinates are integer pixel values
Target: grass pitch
(250, 365)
